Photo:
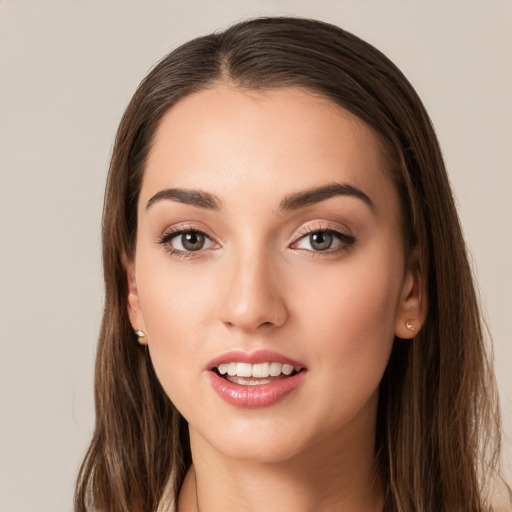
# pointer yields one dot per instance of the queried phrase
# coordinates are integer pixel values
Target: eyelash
(345, 240)
(166, 238)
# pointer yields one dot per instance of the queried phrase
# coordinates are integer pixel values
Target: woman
(290, 318)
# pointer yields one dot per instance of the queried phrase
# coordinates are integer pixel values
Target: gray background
(67, 71)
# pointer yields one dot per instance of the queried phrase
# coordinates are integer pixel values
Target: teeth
(259, 371)
(287, 369)
(244, 370)
(275, 369)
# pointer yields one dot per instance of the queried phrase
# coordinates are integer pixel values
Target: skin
(260, 284)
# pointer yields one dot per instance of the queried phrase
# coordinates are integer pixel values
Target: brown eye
(192, 241)
(186, 241)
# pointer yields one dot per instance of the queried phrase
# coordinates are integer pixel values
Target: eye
(324, 240)
(186, 240)
(321, 240)
(191, 241)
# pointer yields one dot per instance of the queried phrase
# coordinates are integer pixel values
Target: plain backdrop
(68, 69)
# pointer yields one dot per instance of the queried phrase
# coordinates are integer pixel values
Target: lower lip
(252, 397)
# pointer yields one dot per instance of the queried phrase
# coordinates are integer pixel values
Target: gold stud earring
(140, 335)
(409, 325)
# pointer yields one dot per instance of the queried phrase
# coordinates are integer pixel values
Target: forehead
(231, 141)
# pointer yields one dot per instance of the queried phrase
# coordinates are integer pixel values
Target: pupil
(321, 240)
(192, 241)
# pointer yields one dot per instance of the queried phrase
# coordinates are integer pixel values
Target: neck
(330, 476)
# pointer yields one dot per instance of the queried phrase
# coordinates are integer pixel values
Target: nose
(254, 298)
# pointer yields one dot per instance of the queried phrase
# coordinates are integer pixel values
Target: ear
(412, 308)
(133, 303)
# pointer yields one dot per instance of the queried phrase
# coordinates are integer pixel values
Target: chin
(260, 450)
(263, 441)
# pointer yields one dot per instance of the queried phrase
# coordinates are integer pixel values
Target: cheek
(351, 320)
(174, 298)
(177, 311)
(350, 331)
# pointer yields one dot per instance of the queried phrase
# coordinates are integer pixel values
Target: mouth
(258, 379)
(259, 374)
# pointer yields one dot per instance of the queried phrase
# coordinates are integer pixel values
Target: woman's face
(269, 274)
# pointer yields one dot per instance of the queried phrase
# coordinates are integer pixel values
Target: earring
(140, 335)
(409, 325)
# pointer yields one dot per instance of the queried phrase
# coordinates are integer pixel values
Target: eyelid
(345, 236)
(316, 226)
(185, 227)
(172, 232)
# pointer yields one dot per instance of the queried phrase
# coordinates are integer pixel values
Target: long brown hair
(438, 421)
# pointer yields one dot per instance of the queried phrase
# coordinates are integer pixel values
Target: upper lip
(259, 356)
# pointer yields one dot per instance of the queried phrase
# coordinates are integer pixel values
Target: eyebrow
(319, 194)
(193, 197)
(208, 201)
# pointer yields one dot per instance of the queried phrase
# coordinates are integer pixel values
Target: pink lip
(252, 397)
(262, 395)
(260, 356)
